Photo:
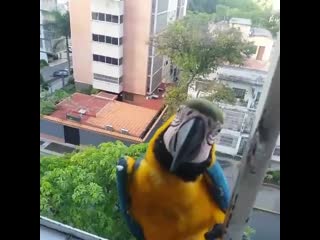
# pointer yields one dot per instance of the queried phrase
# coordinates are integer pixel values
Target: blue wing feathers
(124, 199)
(219, 188)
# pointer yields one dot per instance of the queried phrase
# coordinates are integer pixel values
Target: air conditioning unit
(125, 131)
(82, 111)
(109, 128)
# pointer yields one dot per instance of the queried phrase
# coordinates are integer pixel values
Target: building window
(102, 38)
(108, 17)
(114, 41)
(109, 60)
(228, 140)
(276, 151)
(239, 93)
(106, 39)
(114, 61)
(102, 58)
(101, 17)
(95, 57)
(107, 78)
(114, 19)
(95, 16)
(95, 37)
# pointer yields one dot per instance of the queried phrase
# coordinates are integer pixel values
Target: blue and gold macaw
(178, 191)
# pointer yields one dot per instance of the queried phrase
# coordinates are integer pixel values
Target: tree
(196, 51)
(60, 23)
(208, 6)
(79, 189)
(43, 84)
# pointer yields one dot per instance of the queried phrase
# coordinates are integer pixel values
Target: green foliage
(259, 11)
(217, 92)
(48, 101)
(195, 50)
(43, 63)
(208, 6)
(248, 232)
(60, 23)
(94, 91)
(79, 189)
(43, 84)
(47, 106)
(273, 177)
(174, 96)
(198, 52)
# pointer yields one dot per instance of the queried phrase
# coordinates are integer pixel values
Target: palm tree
(60, 23)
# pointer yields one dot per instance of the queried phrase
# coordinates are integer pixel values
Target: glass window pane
(95, 57)
(95, 37)
(102, 58)
(108, 60)
(101, 16)
(94, 16)
(114, 19)
(108, 17)
(108, 39)
(102, 38)
(115, 41)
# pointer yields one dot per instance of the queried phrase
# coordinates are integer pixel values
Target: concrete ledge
(62, 228)
(266, 210)
(271, 185)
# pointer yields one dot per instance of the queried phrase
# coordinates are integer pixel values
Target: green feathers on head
(207, 108)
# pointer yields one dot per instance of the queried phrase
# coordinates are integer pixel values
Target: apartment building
(46, 6)
(110, 43)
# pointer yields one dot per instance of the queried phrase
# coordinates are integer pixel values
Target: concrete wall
(136, 29)
(86, 137)
(80, 22)
(265, 42)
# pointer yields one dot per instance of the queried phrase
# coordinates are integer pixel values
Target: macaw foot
(216, 232)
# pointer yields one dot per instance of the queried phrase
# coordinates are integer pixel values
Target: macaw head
(185, 143)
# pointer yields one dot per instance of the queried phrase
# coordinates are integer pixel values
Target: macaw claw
(216, 232)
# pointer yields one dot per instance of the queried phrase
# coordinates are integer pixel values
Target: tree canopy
(79, 189)
(259, 11)
(198, 51)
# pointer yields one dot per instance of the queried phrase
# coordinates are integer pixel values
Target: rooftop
(260, 32)
(236, 74)
(100, 114)
(252, 63)
(241, 21)
(155, 104)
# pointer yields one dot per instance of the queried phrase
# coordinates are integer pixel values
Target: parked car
(61, 73)
(71, 70)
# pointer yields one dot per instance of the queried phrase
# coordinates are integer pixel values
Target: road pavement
(48, 71)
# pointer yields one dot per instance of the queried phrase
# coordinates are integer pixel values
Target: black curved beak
(186, 143)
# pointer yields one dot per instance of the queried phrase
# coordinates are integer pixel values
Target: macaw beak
(185, 144)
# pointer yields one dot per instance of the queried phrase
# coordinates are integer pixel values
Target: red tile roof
(101, 112)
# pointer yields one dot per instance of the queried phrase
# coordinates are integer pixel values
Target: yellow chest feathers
(168, 208)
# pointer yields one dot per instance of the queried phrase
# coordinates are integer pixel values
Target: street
(48, 71)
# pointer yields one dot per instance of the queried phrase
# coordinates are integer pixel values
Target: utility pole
(258, 153)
